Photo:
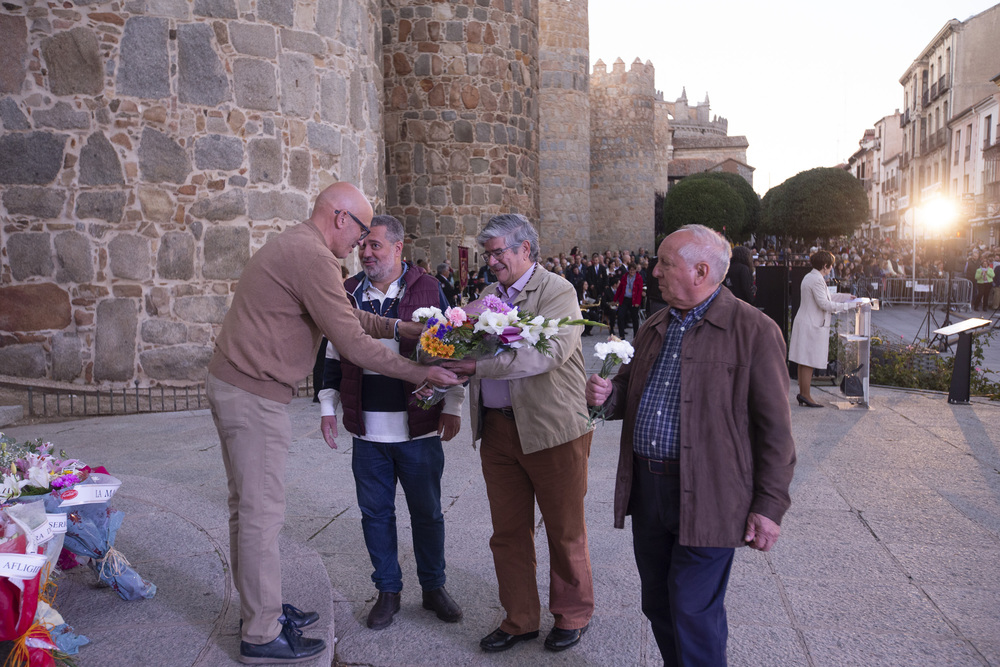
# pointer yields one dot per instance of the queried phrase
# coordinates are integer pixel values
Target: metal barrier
(892, 291)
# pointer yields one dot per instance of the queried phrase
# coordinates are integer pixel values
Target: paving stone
(29, 254)
(256, 86)
(74, 257)
(218, 152)
(26, 361)
(99, 163)
(161, 159)
(129, 257)
(14, 36)
(265, 160)
(107, 205)
(175, 257)
(34, 307)
(34, 202)
(144, 64)
(253, 40)
(114, 348)
(201, 77)
(227, 250)
(34, 158)
(74, 63)
(227, 206)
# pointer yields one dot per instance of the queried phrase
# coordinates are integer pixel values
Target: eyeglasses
(497, 254)
(365, 231)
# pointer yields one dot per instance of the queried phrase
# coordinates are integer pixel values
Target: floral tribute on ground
(482, 329)
(613, 353)
(53, 510)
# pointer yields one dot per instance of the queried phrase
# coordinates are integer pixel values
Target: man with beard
(394, 438)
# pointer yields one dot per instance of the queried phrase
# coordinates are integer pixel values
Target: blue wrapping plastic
(90, 532)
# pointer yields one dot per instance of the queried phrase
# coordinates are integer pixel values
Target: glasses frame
(365, 230)
(499, 252)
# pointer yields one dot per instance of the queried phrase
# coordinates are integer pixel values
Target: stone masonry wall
(148, 148)
(461, 118)
(564, 126)
(622, 156)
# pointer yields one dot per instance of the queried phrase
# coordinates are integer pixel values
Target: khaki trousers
(255, 433)
(557, 479)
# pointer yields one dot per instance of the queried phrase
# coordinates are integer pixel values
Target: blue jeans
(418, 465)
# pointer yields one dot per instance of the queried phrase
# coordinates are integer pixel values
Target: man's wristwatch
(395, 331)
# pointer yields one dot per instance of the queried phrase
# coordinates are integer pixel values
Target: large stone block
(333, 98)
(129, 257)
(99, 163)
(281, 12)
(29, 254)
(23, 361)
(67, 362)
(298, 84)
(281, 205)
(206, 309)
(10, 114)
(156, 204)
(328, 17)
(303, 42)
(324, 138)
(161, 159)
(14, 37)
(144, 64)
(227, 250)
(201, 77)
(265, 160)
(74, 258)
(104, 205)
(256, 85)
(114, 347)
(180, 362)
(218, 152)
(253, 40)
(62, 117)
(299, 168)
(73, 61)
(175, 258)
(163, 332)
(227, 206)
(32, 159)
(34, 308)
(34, 202)
(216, 9)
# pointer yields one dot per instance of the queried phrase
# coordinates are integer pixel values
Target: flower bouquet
(612, 353)
(483, 328)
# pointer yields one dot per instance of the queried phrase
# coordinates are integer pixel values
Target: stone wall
(461, 118)
(148, 148)
(622, 156)
(564, 126)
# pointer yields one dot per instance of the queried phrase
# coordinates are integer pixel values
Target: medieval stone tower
(622, 155)
(461, 135)
(564, 126)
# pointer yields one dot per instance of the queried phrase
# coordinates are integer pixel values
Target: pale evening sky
(802, 81)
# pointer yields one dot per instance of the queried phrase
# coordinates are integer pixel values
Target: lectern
(961, 374)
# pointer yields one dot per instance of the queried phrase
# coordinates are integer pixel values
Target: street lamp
(935, 213)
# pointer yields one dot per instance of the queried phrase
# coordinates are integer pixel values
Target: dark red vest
(421, 291)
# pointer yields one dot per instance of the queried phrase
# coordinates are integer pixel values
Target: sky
(801, 80)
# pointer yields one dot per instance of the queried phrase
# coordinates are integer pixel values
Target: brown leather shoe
(385, 608)
(441, 603)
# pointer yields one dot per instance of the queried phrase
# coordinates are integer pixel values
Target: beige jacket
(547, 390)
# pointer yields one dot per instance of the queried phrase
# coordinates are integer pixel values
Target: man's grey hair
(442, 268)
(707, 245)
(393, 227)
(514, 228)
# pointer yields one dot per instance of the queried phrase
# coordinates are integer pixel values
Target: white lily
(490, 322)
(424, 314)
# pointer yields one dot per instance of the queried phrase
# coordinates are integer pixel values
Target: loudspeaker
(772, 295)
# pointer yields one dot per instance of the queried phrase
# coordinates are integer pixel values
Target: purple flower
(431, 321)
(65, 480)
(493, 303)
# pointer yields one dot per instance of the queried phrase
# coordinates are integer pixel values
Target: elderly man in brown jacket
(706, 449)
(526, 407)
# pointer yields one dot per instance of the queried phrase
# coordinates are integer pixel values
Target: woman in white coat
(810, 343)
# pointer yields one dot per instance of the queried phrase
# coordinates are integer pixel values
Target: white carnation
(424, 314)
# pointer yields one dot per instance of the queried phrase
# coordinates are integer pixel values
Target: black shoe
(441, 603)
(289, 646)
(808, 404)
(560, 639)
(498, 640)
(294, 616)
(385, 608)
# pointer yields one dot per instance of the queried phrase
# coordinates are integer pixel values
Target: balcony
(925, 98)
(904, 118)
(942, 86)
(904, 161)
